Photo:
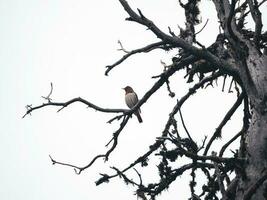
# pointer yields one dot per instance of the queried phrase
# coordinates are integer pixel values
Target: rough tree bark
(239, 53)
(251, 65)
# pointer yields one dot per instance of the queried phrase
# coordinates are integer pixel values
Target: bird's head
(128, 89)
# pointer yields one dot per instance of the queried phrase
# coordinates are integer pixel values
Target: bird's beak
(123, 88)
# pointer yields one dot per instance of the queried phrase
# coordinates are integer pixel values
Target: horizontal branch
(163, 78)
(77, 169)
(165, 182)
(204, 158)
(67, 103)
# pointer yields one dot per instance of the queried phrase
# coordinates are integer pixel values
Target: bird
(131, 100)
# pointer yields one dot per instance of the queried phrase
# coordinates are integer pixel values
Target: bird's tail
(138, 117)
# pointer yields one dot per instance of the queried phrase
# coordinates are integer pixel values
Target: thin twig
(122, 48)
(48, 98)
(183, 123)
(202, 27)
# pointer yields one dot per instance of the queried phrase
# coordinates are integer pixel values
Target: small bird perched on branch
(131, 100)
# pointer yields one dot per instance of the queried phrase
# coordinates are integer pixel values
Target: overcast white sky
(69, 43)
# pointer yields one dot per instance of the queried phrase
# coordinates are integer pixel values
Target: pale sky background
(69, 43)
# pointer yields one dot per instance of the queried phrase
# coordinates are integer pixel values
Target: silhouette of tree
(238, 53)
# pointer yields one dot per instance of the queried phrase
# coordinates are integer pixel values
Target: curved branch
(226, 118)
(78, 170)
(48, 98)
(202, 27)
(183, 123)
(224, 147)
(145, 49)
(229, 21)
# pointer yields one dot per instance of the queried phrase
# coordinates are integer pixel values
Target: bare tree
(238, 53)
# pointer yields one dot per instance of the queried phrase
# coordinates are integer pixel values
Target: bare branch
(202, 27)
(77, 169)
(204, 158)
(78, 99)
(256, 15)
(156, 86)
(140, 177)
(145, 49)
(171, 93)
(164, 184)
(178, 42)
(141, 159)
(157, 144)
(245, 14)
(224, 147)
(50, 93)
(229, 21)
(226, 118)
(122, 48)
(125, 178)
(203, 143)
(163, 78)
(183, 123)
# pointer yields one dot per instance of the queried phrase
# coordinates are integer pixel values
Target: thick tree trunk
(253, 183)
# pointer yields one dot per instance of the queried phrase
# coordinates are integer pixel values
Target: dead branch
(229, 21)
(48, 98)
(145, 49)
(176, 41)
(183, 123)
(226, 118)
(122, 48)
(202, 27)
(67, 103)
(256, 16)
(224, 147)
(78, 170)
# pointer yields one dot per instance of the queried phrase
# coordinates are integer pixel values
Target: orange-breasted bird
(131, 99)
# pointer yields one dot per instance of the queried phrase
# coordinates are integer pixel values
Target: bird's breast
(131, 99)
